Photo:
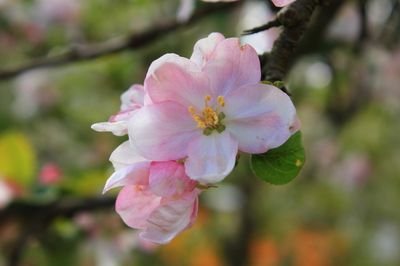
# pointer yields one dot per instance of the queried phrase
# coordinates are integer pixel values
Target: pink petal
(135, 174)
(135, 204)
(211, 158)
(296, 125)
(134, 96)
(118, 128)
(204, 48)
(172, 217)
(162, 131)
(169, 179)
(231, 66)
(125, 155)
(176, 81)
(282, 3)
(174, 59)
(259, 116)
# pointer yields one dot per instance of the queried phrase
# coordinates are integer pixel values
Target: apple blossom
(131, 100)
(206, 109)
(157, 197)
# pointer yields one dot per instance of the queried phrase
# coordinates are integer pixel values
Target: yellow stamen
(209, 117)
(221, 101)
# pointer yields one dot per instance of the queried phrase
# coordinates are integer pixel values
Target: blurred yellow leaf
(17, 158)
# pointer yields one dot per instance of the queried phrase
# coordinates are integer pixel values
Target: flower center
(210, 118)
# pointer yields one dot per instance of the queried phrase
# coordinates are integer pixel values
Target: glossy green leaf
(281, 165)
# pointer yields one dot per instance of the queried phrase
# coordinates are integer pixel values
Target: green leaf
(281, 165)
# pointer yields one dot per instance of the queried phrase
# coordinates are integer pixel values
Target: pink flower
(207, 108)
(282, 3)
(131, 100)
(157, 197)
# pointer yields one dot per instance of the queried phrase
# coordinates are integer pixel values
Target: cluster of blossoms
(186, 126)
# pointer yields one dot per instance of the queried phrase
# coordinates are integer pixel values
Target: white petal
(135, 174)
(133, 96)
(259, 116)
(118, 128)
(211, 158)
(125, 155)
(172, 58)
(204, 48)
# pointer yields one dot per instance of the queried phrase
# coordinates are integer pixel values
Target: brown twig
(294, 19)
(267, 26)
(133, 41)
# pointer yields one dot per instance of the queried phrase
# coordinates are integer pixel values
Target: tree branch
(87, 52)
(59, 208)
(294, 18)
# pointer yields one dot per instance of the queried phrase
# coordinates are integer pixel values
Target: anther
(221, 101)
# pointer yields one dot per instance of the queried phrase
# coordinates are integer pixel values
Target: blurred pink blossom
(353, 171)
(59, 11)
(6, 194)
(50, 174)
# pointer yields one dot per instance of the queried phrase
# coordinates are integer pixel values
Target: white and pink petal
(162, 131)
(118, 128)
(260, 117)
(204, 48)
(125, 155)
(171, 218)
(169, 179)
(232, 65)
(176, 82)
(211, 158)
(134, 96)
(135, 204)
(135, 174)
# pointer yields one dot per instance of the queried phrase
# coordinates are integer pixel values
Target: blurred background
(64, 64)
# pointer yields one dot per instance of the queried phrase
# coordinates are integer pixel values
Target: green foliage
(281, 165)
